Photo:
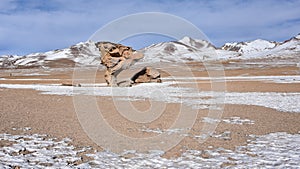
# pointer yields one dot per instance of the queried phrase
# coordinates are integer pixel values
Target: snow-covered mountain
(288, 47)
(184, 50)
(84, 53)
(249, 47)
(188, 49)
(262, 48)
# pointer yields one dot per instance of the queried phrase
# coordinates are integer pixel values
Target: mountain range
(185, 50)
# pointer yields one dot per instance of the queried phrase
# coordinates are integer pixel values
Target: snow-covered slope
(184, 50)
(84, 53)
(262, 49)
(288, 47)
(188, 49)
(249, 47)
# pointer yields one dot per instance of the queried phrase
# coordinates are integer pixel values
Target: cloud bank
(29, 26)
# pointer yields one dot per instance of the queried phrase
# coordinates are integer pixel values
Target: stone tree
(117, 57)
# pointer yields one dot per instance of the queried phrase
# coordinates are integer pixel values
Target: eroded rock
(117, 57)
(146, 75)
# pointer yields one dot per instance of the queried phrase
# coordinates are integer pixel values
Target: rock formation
(117, 57)
(146, 75)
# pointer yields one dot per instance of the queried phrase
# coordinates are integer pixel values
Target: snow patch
(229, 120)
(36, 74)
(275, 79)
(237, 120)
(165, 92)
(161, 131)
(274, 150)
(37, 151)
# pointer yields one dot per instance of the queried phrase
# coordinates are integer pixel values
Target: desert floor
(255, 122)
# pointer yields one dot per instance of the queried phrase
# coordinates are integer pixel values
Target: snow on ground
(286, 102)
(35, 74)
(237, 120)
(183, 131)
(230, 120)
(274, 150)
(168, 131)
(37, 151)
(167, 92)
(276, 79)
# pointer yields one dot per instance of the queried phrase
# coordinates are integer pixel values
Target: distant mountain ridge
(248, 47)
(185, 50)
(83, 53)
(188, 49)
(260, 46)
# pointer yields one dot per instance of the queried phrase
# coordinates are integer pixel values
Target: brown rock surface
(147, 75)
(116, 58)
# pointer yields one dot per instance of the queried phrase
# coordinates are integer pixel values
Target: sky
(29, 26)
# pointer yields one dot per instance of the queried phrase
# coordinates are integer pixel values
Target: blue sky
(29, 26)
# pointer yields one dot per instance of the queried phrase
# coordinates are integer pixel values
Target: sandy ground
(55, 115)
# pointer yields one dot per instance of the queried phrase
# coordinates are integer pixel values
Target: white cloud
(7, 5)
(34, 26)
